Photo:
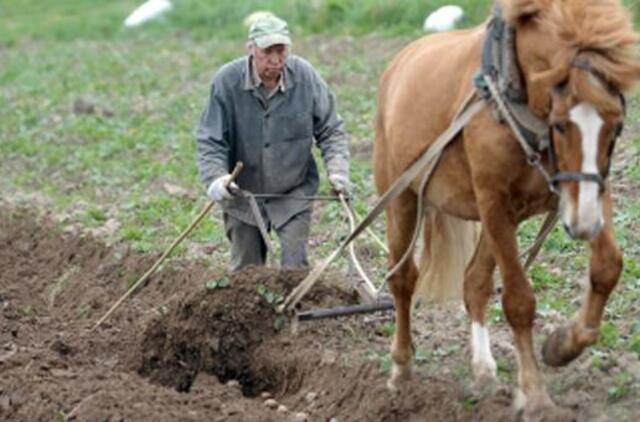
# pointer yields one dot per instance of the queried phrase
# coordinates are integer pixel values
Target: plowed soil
(177, 350)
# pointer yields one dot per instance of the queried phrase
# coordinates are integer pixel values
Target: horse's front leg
(519, 303)
(567, 342)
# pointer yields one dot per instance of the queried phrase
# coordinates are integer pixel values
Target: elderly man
(265, 110)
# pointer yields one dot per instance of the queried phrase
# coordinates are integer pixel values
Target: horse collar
(500, 63)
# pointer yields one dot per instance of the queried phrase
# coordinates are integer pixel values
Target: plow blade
(344, 310)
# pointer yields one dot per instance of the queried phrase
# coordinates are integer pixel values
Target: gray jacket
(272, 138)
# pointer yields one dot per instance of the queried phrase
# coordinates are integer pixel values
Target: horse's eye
(560, 127)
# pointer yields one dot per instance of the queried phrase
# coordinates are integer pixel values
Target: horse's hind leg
(401, 222)
(478, 286)
(566, 343)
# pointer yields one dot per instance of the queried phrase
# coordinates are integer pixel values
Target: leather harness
(499, 81)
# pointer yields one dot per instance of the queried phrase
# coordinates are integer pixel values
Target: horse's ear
(516, 11)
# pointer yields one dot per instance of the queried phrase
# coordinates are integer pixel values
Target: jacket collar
(249, 83)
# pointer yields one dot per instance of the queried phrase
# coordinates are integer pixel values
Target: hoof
(485, 380)
(559, 349)
(548, 414)
(399, 374)
(484, 385)
(484, 370)
(541, 409)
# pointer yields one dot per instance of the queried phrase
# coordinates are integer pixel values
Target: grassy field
(102, 20)
(148, 87)
(126, 168)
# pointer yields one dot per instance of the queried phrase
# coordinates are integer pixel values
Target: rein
(428, 158)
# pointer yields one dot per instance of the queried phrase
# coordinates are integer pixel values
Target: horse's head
(585, 120)
(578, 56)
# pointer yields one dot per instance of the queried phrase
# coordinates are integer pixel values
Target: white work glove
(217, 190)
(340, 183)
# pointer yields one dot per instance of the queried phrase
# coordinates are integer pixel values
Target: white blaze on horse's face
(585, 219)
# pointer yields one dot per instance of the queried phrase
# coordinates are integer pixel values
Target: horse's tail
(449, 245)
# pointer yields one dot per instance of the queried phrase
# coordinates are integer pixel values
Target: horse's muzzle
(583, 233)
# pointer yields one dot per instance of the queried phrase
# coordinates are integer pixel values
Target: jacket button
(267, 145)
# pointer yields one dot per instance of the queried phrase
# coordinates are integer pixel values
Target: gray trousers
(248, 247)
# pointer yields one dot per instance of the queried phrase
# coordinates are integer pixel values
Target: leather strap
(471, 106)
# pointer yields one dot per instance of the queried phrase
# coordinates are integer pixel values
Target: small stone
(271, 403)
(175, 190)
(266, 395)
(233, 384)
(230, 411)
(310, 397)
(5, 403)
(72, 229)
(301, 417)
(329, 357)
(333, 420)
(283, 409)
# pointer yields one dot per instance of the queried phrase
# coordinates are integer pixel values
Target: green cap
(269, 30)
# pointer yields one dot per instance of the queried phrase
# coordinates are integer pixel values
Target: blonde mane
(600, 31)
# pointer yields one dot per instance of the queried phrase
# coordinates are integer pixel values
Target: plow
(371, 296)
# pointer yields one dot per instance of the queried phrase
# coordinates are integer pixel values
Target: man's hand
(340, 183)
(218, 189)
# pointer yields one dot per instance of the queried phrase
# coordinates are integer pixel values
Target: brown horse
(575, 58)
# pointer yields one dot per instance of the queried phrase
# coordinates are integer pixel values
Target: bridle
(576, 176)
(500, 81)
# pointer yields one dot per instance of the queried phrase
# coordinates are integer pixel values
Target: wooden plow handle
(236, 171)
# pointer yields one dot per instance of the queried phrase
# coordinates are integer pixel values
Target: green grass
(633, 344)
(609, 335)
(30, 20)
(622, 387)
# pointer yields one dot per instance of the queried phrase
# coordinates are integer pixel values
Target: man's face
(270, 61)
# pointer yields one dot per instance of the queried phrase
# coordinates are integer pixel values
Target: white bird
(443, 19)
(147, 11)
